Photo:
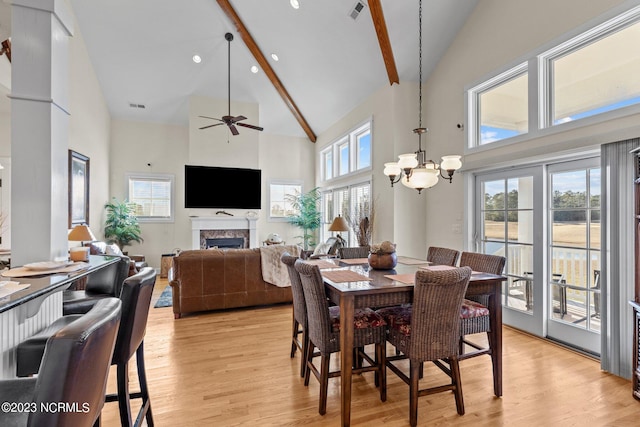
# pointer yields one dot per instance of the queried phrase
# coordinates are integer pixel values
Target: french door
(509, 223)
(545, 220)
(573, 253)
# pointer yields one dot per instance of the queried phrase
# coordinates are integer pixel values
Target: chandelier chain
(420, 63)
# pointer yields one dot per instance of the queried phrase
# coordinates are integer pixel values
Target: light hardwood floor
(233, 368)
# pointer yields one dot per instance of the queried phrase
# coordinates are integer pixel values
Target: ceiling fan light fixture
(230, 121)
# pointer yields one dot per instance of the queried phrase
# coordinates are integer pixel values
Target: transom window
(581, 78)
(352, 154)
(152, 195)
(593, 75)
(502, 106)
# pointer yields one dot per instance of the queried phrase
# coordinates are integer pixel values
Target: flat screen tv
(221, 188)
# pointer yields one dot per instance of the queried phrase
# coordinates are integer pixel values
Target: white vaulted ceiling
(328, 62)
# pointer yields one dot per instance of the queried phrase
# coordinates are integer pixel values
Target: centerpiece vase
(383, 261)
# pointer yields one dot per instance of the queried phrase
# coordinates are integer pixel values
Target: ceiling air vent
(357, 8)
(134, 105)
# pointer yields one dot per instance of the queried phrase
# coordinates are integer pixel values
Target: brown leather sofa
(212, 279)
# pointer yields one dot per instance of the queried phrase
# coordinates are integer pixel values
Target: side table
(166, 263)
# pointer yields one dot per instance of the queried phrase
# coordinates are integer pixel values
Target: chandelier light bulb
(451, 163)
(392, 169)
(407, 161)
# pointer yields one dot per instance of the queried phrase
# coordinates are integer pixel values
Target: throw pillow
(113, 250)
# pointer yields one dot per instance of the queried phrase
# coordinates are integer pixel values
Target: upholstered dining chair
(324, 333)
(353, 252)
(429, 330)
(136, 301)
(299, 313)
(474, 313)
(442, 256)
(104, 283)
(74, 369)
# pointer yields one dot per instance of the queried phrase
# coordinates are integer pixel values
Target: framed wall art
(78, 189)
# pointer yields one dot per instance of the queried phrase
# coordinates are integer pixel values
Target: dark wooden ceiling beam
(264, 64)
(377, 16)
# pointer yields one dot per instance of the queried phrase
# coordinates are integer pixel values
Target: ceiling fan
(230, 120)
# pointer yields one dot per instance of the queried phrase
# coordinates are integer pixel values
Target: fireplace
(203, 228)
(225, 243)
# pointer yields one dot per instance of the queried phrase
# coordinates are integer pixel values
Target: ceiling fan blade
(238, 118)
(234, 130)
(250, 126)
(212, 118)
(210, 126)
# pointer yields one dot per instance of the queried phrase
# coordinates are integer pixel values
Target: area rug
(166, 298)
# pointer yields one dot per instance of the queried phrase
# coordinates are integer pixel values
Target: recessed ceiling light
(274, 56)
(295, 4)
(197, 59)
(254, 69)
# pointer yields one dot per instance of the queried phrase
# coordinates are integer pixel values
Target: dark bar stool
(136, 300)
(75, 368)
(104, 283)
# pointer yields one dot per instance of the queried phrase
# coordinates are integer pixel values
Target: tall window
(152, 195)
(347, 155)
(349, 201)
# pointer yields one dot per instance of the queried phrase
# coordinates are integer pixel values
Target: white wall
(399, 211)
(89, 123)
(89, 126)
(496, 34)
(168, 148)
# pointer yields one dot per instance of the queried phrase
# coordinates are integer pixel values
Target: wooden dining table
(376, 289)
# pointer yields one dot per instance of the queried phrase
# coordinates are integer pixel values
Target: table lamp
(80, 233)
(339, 224)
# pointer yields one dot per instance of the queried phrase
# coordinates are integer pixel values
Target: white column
(39, 129)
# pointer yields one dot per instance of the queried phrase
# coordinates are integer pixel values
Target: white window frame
(473, 98)
(570, 46)
(539, 86)
(327, 220)
(282, 182)
(351, 139)
(154, 177)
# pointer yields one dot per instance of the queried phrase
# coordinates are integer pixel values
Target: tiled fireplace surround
(203, 228)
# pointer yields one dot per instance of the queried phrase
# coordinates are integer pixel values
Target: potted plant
(121, 226)
(307, 214)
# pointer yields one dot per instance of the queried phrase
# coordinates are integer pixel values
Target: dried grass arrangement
(362, 222)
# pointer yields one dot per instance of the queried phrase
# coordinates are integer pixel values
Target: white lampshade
(451, 163)
(421, 178)
(407, 161)
(392, 169)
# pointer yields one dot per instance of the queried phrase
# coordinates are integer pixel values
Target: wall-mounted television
(220, 188)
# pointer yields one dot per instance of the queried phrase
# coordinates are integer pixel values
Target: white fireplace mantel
(199, 223)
